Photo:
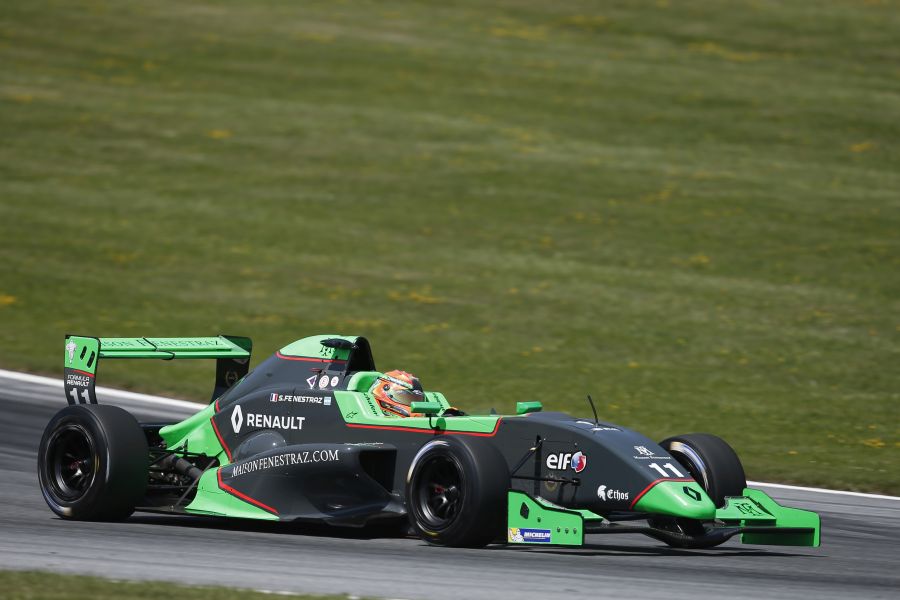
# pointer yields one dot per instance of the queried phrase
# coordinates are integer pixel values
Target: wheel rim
(72, 462)
(691, 460)
(439, 492)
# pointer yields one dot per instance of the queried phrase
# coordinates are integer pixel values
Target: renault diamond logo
(237, 419)
(691, 493)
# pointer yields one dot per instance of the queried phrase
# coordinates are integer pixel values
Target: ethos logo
(259, 421)
(605, 494)
(563, 461)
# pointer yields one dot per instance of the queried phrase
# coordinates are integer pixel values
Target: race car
(301, 438)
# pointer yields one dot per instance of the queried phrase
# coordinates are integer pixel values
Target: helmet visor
(404, 396)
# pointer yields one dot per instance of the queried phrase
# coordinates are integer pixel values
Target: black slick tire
(456, 492)
(92, 463)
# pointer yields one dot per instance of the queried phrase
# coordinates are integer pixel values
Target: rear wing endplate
(83, 353)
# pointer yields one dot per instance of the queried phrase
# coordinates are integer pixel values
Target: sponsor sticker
(70, 349)
(551, 486)
(263, 421)
(311, 381)
(323, 382)
(237, 418)
(78, 380)
(750, 510)
(324, 401)
(521, 535)
(287, 459)
(596, 427)
(579, 462)
(334, 381)
(644, 453)
(611, 494)
(561, 461)
(692, 493)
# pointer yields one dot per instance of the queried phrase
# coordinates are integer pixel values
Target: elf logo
(562, 461)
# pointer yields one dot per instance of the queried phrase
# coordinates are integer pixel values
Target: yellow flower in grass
(874, 443)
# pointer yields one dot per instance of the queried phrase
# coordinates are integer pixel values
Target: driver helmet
(395, 391)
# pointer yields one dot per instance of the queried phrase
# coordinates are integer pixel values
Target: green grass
(34, 585)
(690, 212)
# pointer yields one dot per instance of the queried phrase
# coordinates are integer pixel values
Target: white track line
(111, 392)
(781, 486)
(114, 393)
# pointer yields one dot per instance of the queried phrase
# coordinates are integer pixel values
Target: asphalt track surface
(859, 558)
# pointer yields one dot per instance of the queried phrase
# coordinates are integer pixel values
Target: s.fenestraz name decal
(285, 460)
(324, 401)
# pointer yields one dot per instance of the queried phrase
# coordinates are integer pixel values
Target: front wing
(755, 516)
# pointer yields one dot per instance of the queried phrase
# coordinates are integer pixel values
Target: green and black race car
(301, 439)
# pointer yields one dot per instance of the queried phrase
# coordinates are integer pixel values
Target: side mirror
(427, 408)
(523, 408)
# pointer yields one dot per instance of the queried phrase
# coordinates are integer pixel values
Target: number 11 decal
(84, 394)
(662, 469)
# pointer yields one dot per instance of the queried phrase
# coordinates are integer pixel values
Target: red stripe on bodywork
(221, 439)
(430, 431)
(310, 359)
(649, 487)
(224, 486)
(80, 372)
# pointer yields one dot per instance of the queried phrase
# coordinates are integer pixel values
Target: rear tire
(456, 492)
(711, 461)
(92, 463)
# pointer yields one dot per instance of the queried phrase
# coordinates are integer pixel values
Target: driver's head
(395, 391)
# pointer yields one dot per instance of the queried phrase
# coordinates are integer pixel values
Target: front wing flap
(764, 521)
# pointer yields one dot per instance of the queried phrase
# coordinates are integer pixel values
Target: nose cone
(678, 499)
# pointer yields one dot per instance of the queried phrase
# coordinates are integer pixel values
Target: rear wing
(83, 354)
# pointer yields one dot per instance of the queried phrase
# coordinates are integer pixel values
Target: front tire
(716, 467)
(92, 463)
(711, 461)
(456, 492)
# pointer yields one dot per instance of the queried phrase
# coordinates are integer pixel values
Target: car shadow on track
(650, 550)
(387, 529)
(398, 529)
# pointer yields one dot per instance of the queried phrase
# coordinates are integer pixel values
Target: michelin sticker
(521, 535)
